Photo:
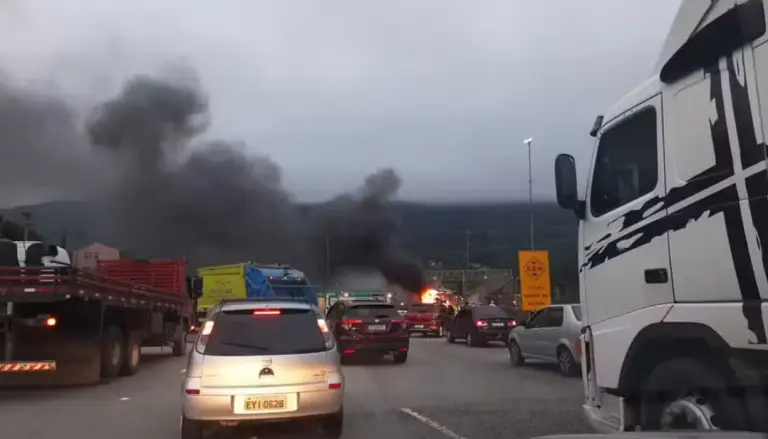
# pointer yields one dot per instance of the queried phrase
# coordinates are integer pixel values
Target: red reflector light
(349, 351)
(334, 386)
(403, 349)
(481, 323)
(266, 312)
(192, 391)
(351, 322)
(512, 323)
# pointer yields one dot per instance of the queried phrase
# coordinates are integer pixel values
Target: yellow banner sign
(535, 287)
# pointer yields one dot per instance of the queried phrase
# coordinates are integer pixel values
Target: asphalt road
(443, 391)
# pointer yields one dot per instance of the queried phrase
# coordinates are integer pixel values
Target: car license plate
(498, 325)
(377, 328)
(418, 326)
(267, 403)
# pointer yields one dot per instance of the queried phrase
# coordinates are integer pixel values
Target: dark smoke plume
(44, 153)
(361, 231)
(216, 205)
(175, 195)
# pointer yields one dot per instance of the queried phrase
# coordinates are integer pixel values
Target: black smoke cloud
(214, 203)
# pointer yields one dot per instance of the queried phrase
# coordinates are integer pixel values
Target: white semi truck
(673, 236)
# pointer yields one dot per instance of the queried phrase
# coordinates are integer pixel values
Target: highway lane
(444, 390)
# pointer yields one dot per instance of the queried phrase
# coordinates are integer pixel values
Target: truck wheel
(685, 394)
(131, 354)
(180, 344)
(332, 427)
(515, 354)
(191, 429)
(111, 352)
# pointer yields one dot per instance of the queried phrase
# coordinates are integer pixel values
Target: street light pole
(528, 142)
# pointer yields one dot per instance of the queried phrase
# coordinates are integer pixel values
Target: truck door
(626, 264)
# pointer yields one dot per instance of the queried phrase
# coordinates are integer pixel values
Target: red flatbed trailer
(68, 326)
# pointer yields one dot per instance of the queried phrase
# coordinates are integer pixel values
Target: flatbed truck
(61, 325)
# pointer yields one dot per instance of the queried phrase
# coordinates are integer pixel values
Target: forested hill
(493, 232)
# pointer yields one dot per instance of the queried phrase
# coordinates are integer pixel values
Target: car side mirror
(566, 185)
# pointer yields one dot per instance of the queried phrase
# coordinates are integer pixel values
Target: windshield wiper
(245, 345)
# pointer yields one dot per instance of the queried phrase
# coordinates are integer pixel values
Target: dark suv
(481, 324)
(373, 328)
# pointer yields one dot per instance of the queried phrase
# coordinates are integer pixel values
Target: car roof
(357, 303)
(255, 304)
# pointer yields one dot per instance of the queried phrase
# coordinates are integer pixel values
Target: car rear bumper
(494, 334)
(423, 327)
(349, 348)
(219, 405)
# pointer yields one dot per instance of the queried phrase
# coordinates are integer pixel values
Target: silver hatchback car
(257, 361)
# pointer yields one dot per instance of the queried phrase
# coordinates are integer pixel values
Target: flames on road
(429, 296)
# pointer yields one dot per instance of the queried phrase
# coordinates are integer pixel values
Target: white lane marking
(125, 398)
(439, 427)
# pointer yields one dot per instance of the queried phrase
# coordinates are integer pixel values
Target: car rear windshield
(577, 311)
(489, 312)
(240, 332)
(422, 308)
(372, 310)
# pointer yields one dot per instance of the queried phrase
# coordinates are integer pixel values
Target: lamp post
(528, 142)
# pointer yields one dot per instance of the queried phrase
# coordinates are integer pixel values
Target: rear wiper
(245, 345)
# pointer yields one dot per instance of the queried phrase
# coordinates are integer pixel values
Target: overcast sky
(443, 91)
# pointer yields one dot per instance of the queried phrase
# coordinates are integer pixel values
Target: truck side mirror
(196, 291)
(51, 250)
(566, 185)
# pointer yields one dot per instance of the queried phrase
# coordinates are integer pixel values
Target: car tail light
(205, 335)
(481, 323)
(50, 321)
(348, 351)
(266, 312)
(513, 323)
(192, 391)
(348, 323)
(334, 386)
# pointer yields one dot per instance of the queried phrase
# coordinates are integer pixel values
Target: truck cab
(673, 230)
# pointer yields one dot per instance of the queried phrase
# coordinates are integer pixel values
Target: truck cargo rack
(26, 282)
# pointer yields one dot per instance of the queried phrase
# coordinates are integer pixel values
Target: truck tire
(131, 354)
(332, 427)
(190, 428)
(688, 386)
(111, 352)
(180, 344)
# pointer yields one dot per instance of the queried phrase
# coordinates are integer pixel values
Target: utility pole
(466, 264)
(327, 258)
(528, 142)
(27, 220)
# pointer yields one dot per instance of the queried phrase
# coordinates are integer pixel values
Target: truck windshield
(292, 288)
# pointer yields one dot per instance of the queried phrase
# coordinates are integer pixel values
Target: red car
(425, 319)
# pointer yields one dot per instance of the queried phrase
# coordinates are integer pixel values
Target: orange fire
(429, 296)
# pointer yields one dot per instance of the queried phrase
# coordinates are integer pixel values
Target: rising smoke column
(362, 232)
(216, 204)
(45, 154)
(213, 203)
